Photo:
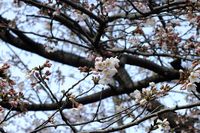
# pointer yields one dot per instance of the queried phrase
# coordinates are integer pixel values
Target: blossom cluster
(138, 97)
(7, 91)
(50, 49)
(40, 73)
(5, 80)
(193, 78)
(166, 40)
(163, 124)
(109, 6)
(105, 70)
(3, 70)
(142, 97)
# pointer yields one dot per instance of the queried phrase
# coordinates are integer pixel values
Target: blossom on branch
(191, 87)
(105, 70)
(191, 77)
(163, 124)
(139, 97)
(146, 95)
(194, 77)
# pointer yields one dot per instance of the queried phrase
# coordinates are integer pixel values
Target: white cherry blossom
(138, 97)
(106, 81)
(99, 65)
(191, 87)
(152, 84)
(194, 77)
(163, 124)
(109, 72)
(114, 62)
(143, 102)
(136, 94)
(106, 69)
(98, 59)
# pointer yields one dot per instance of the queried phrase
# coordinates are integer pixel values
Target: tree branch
(145, 118)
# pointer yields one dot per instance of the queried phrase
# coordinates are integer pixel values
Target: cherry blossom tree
(99, 66)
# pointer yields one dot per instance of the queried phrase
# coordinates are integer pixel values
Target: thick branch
(141, 62)
(27, 44)
(94, 97)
